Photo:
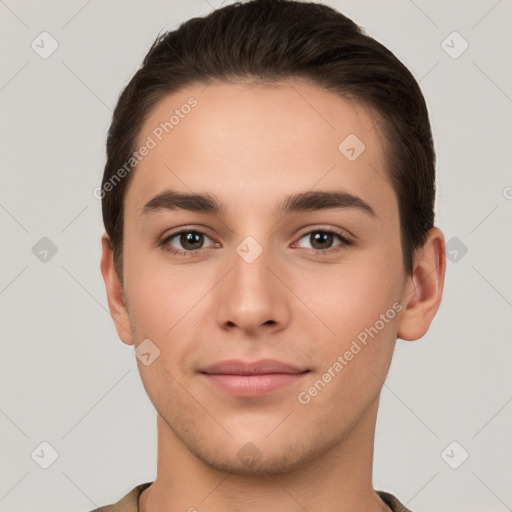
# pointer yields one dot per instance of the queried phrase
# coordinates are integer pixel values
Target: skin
(252, 146)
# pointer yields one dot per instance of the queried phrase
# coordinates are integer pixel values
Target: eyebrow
(295, 203)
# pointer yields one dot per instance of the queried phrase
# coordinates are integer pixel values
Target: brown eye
(185, 242)
(191, 240)
(323, 240)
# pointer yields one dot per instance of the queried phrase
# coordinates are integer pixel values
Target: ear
(424, 288)
(115, 292)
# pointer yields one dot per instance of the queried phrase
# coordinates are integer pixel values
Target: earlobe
(424, 289)
(115, 292)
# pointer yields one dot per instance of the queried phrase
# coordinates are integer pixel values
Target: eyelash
(168, 248)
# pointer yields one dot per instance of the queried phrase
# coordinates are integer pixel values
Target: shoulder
(393, 502)
(128, 503)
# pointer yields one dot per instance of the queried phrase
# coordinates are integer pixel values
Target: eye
(190, 240)
(321, 240)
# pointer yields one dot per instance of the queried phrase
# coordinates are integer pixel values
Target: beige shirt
(130, 502)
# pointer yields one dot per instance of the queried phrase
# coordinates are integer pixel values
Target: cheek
(163, 303)
(349, 297)
(159, 293)
(165, 306)
(353, 365)
(169, 305)
(357, 304)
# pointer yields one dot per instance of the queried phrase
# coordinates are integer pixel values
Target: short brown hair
(272, 40)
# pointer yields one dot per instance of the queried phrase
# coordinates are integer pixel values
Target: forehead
(236, 139)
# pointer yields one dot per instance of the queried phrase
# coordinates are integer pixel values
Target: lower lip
(252, 385)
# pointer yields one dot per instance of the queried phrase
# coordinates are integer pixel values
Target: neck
(339, 480)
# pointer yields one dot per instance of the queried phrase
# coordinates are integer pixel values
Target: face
(263, 269)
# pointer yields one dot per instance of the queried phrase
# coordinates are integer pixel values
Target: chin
(261, 458)
(265, 466)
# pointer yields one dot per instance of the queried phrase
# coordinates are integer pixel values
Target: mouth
(251, 379)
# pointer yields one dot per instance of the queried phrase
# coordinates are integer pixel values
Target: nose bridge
(251, 276)
(253, 249)
(252, 296)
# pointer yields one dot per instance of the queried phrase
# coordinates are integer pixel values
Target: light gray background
(68, 380)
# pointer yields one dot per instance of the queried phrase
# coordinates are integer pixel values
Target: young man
(268, 204)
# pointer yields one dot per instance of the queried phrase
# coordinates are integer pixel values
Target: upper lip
(261, 367)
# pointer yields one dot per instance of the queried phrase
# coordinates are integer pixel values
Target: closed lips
(261, 367)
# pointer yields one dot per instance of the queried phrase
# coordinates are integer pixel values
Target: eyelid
(344, 233)
(186, 229)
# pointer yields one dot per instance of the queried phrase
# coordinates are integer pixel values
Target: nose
(252, 297)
